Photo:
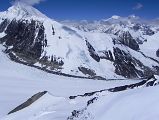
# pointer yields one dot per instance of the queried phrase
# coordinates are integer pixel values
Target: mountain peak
(115, 17)
(133, 17)
(22, 10)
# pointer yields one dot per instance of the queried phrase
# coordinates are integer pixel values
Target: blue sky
(94, 9)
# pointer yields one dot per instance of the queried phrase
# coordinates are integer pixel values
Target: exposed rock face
(3, 25)
(150, 82)
(157, 53)
(107, 55)
(87, 71)
(28, 102)
(92, 52)
(148, 31)
(125, 65)
(145, 28)
(26, 40)
(21, 36)
(137, 27)
(127, 39)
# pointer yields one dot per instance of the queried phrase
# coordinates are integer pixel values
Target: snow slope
(140, 103)
(18, 82)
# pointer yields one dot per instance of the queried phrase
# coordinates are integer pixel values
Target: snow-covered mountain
(72, 98)
(33, 45)
(113, 48)
(19, 82)
(32, 38)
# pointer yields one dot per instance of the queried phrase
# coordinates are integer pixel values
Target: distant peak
(133, 17)
(19, 3)
(115, 17)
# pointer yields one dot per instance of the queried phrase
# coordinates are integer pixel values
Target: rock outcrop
(28, 102)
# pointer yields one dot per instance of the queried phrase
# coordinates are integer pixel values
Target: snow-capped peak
(134, 17)
(115, 17)
(22, 10)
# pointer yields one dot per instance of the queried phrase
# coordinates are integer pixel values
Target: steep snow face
(151, 46)
(131, 42)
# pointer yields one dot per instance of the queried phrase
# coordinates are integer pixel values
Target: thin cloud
(29, 2)
(138, 6)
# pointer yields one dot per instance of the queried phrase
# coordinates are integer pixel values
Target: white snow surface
(138, 104)
(151, 46)
(20, 82)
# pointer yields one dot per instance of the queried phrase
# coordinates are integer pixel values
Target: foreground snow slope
(139, 104)
(18, 82)
(136, 104)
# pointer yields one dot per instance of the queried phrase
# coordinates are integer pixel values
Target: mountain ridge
(96, 51)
